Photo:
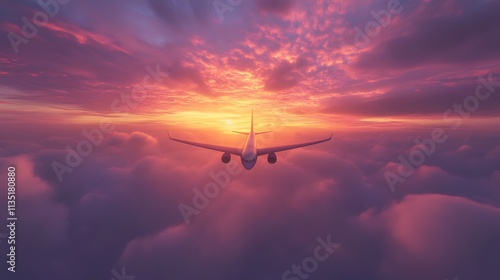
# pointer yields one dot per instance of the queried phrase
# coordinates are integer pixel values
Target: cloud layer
(120, 208)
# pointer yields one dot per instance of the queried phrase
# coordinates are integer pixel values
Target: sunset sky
(382, 75)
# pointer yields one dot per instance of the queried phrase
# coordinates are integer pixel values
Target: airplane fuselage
(249, 153)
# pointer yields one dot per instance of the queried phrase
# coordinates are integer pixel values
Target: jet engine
(272, 158)
(226, 158)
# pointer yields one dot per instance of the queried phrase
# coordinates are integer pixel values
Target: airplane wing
(231, 150)
(264, 151)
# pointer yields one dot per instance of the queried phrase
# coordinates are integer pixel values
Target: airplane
(250, 152)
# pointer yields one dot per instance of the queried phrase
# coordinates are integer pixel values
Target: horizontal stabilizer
(257, 133)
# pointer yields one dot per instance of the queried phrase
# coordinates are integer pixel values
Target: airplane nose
(247, 166)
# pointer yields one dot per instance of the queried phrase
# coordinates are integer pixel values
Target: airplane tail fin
(251, 128)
